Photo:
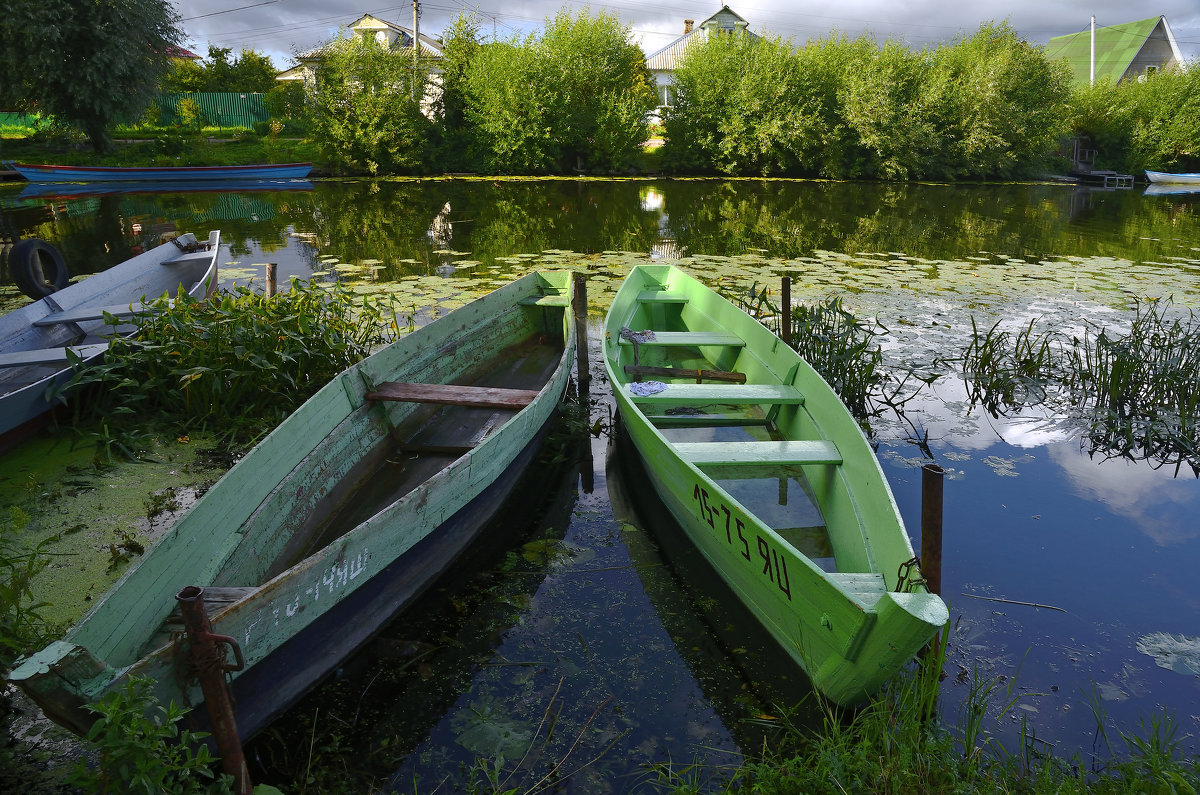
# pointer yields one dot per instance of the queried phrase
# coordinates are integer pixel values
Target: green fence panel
(219, 109)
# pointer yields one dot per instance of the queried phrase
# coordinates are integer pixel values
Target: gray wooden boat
(40, 343)
(338, 519)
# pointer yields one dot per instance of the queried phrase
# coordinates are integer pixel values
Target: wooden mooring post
(208, 661)
(579, 305)
(931, 526)
(272, 279)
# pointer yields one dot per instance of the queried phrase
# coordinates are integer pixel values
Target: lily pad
(1178, 653)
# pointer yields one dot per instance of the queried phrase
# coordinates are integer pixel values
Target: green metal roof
(1116, 47)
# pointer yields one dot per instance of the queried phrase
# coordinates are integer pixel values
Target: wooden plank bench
(661, 297)
(866, 587)
(639, 370)
(757, 459)
(454, 395)
(738, 394)
(215, 598)
(95, 313)
(48, 355)
(678, 339)
(546, 300)
(705, 421)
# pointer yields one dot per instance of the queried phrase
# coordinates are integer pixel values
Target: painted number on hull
(741, 540)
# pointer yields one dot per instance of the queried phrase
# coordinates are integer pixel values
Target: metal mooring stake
(208, 660)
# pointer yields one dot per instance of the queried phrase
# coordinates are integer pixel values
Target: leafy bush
(988, 106)
(577, 99)
(241, 362)
(366, 112)
(143, 750)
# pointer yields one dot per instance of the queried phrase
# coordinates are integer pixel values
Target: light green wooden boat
(769, 475)
(338, 519)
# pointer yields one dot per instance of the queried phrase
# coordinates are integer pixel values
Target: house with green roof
(1122, 52)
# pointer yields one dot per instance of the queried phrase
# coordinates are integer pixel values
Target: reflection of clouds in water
(1152, 499)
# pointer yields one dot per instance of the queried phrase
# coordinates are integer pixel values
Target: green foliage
(142, 749)
(239, 363)
(366, 108)
(460, 46)
(20, 625)
(285, 100)
(191, 116)
(1151, 123)
(988, 106)
(89, 64)
(577, 99)
(249, 71)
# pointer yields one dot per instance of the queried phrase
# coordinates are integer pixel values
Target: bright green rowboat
(769, 475)
(339, 518)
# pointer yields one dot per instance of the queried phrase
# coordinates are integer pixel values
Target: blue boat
(49, 173)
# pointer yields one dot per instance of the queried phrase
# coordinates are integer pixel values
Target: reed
(839, 346)
(1135, 393)
(236, 365)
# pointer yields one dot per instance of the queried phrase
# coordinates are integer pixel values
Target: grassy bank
(209, 148)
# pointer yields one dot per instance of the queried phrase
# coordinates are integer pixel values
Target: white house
(662, 64)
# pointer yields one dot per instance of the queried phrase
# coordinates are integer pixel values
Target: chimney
(687, 26)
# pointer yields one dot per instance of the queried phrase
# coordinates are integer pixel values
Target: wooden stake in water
(271, 278)
(579, 305)
(931, 526)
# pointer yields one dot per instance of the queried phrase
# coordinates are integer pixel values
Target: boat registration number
(742, 540)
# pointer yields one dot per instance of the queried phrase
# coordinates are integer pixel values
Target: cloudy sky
(279, 28)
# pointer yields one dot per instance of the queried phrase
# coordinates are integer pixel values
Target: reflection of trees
(938, 221)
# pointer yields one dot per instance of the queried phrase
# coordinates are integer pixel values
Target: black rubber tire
(37, 268)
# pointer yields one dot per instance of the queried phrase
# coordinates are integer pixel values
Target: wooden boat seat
(677, 339)
(866, 587)
(704, 394)
(661, 297)
(639, 370)
(705, 421)
(758, 458)
(215, 598)
(48, 355)
(95, 313)
(454, 395)
(547, 300)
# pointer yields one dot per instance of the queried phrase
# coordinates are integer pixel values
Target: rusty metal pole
(931, 526)
(208, 659)
(786, 310)
(271, 278)
(579, 305)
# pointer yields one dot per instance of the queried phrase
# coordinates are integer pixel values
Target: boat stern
(62, 679)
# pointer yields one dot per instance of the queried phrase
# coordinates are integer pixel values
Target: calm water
(567, 644)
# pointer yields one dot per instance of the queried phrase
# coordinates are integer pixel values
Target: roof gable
(724, 21)
(1122, 51)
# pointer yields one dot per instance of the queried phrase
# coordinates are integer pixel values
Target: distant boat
(48, 173)
(40, 342)
(342, 516)
(1174, 178)
(771, 478)
(79, 190)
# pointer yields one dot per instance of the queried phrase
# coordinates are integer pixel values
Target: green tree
(366, 110)
(250, 72)
(89, 64)
(578, 98)
(460, 46)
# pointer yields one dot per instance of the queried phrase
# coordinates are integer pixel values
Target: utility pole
(416, 44)
(1092, 74)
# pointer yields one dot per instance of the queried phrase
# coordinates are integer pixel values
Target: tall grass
(236, 365)
(1136, 393)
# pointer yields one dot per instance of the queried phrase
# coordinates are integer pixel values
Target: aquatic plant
(237, 364)
(1134, 394)
(141, 748)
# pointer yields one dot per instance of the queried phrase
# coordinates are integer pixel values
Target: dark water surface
(567, 647)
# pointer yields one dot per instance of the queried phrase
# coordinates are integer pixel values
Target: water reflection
(1030, 517)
